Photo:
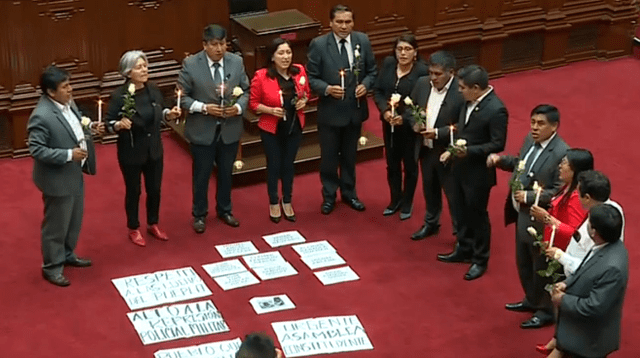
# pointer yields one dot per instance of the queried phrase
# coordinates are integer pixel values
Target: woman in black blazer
(399, 74)
(139, 142)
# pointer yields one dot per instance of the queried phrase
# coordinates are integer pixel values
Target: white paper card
(275, 271)
(161, 287)
(236, 280)
(323, 260)
(223, 349)
(314, 248)
(224, 268)
(333, 276)
(323, 335)
(264, 259)
(237, 249)
(271, 304)
(168, 323)
(284, 238)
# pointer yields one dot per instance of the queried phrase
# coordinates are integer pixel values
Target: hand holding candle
(99, 111)
(342, 81)
(284, 116)
(553, 235)
(451, 135)
(538, 189)
(178, 104)
(393, 102)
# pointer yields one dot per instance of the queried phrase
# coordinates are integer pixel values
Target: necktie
(344, 55)
(217, 79)
(532, 158)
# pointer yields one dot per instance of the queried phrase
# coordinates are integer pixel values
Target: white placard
(224, 268)
(324, 335)
(237, 249)
(314, 248)
(275, 271)
(333, 276)
(161, 287)
(271, 304)
(168, 323)
(264, 259)
(223, 349)
(284, 238)
(236, 280)
(323, 260)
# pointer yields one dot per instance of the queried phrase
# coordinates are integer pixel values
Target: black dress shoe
(475, 271)
(519, 307)
(455, 256)
(229, 220)
(355, 204)
(424, 232)
(198, 225)
(78, 262)
(535, 322)
(58, 280)
(275, 219)
(327, 207)
(391, 209)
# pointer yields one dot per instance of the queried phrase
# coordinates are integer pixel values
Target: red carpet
(410, 304)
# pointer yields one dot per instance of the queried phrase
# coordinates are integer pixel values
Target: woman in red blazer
(565, 211)
(279, 93)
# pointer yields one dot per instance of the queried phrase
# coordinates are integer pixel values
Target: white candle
(99, 111)
(284, 116)
(221, 94)
(179, 94)
(553, 236)
(342, 81)
(393, 114)
(538, 191)
(451, 134)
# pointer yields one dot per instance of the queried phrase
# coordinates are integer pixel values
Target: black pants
(338, 147)
(204, 157)
(435, 178)
(281, 149)
(474, 228)
(152, 172)
(400, 149)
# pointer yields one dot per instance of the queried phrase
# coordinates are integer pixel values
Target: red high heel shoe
(542, 348)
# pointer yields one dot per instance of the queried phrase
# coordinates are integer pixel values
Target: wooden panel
(522, 51)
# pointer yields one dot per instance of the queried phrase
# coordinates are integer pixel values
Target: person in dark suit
(590, 301)
(398, 75)
(216, 94)
(440, 96)
(483, 125)
(279, 93)
(139, 142)
(258, 345)
(537, 162)
(342, 106)
(61, 145)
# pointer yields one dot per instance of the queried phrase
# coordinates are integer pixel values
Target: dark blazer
(591, 310)
(50, 139)
(385, 86)
(544, 171)
(143, 141)
(449, 111)
(197, 83)
(485, 133)
(323, 68)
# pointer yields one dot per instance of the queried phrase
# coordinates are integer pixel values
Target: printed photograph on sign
(271, 304)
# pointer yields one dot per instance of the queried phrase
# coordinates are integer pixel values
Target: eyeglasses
(404, 49)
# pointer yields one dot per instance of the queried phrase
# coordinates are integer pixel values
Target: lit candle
(178, 104)
(553, 236)
(342, 81)
(221, 94)
(451, 134)
(284, 116)
(538, 190)
(99, 111)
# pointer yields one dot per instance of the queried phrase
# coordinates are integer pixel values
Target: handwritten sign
(264, 259)
(323, 260)
(284, 238)
(157, 288)
(223, 349)
(314, 248)
(333, 276)
(173, 322)
(271, 304)
(236, 280)
(275, 271)
(224, 268)
(236, 249)
(324, 335)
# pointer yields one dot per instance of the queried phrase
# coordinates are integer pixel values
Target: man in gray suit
(590, 301)
(540, 155)
(62, 150)
(341, 69)
(214, 120)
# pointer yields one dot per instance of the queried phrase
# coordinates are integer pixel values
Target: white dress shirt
(347, 44)
(198, 106)
(543, 145)
(436, 97)
(74, 123)
(471, 106)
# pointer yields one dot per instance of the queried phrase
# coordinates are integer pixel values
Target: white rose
(363, 141)
(535, 186)
(356, 53)
(85, 121)
(521, 165)
(237, 91)
(395, 98)
(532, 231)
(408, 101)
(238, 164)
(461, 142)
(132, 88)
(303, 80)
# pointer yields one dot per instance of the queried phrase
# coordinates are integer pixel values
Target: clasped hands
(338, 92)
(279, 111)
(394, 121)
(221, 111)
(558, 292)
